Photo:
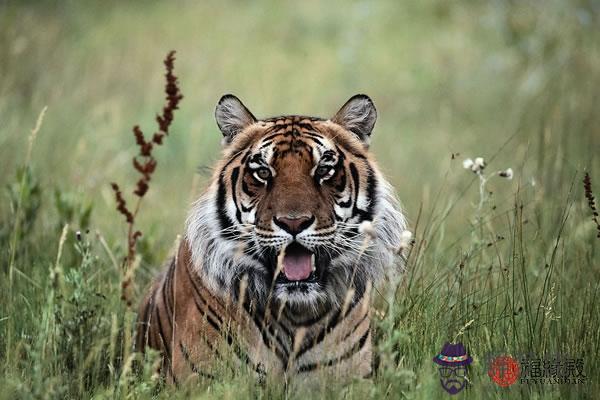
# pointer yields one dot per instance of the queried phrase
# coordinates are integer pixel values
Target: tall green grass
(514, 82)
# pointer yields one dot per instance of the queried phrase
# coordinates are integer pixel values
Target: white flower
(508, 173)
(480, 163)
(366, 227)
(476, 166)
(405, 238)
(405, 241)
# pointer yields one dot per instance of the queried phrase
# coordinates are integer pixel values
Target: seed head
(406, 240)
(367, 228)
(507, 173)
(475, 166)
(480, 163)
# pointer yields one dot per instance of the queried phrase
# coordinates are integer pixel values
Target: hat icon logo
(452, 364)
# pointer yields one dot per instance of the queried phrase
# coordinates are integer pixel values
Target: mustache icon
(453, 386)
(454, 382)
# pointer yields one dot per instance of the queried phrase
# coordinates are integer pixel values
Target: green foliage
(23, 194)
(71, 210)
(79, 310)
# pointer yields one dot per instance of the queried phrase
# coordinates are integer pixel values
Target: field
(505, 266)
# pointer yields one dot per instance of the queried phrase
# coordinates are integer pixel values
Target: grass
(514, 82)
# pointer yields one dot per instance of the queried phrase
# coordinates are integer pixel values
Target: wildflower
(480, 163)
(507, 173)
(589, 195)
(476, 166)
(366, 227)
(406, 240)
(145, 163)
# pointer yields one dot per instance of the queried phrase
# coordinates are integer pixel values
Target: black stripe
(245, 157)
(265, 143)
(294, 118)
(281, 351)
(345, 204)
(273, 136)
(305, 126)
(314, 139)
(224, 220)
(171, 286)
(364, 214)
(357, 155)
(169, 314)
(285, 348)
(234, 177)
(278, 346)
(146, 321)
(246, 209)
(313, 134)
(305, 323)
(233, 158)
(162, 332)
(214, 323)
(331, 324)
(167, 284)
(355, 349)
(355, 180)
(193, 367)
(356, 326)
(342, 185)
(249, 192)
(371, 191)
(257, 159)
(209, 318)
(217, 325)
(166, 345)
(350, 233)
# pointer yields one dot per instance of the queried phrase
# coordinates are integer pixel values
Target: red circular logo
(504, 370)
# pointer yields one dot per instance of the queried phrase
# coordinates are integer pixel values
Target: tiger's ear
(232, 116)
(358, 115)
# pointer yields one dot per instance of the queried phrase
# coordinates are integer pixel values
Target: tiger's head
(297, 209)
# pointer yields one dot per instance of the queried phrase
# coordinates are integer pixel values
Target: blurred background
(515, 79)
(514, 82)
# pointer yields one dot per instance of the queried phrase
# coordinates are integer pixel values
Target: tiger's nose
(294, 225)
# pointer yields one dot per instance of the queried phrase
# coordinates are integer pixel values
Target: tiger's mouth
(298, 266)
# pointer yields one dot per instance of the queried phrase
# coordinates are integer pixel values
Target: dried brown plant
(145, 163)
(589, 195)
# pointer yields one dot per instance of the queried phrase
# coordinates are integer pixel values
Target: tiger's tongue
(297, 266)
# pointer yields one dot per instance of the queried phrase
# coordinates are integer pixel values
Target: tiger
(281, 252)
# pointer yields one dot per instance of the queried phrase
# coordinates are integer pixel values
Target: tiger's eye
(263, 173)
(322, 171)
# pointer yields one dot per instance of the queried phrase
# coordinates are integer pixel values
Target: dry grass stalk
(589, 195)
(145, 163)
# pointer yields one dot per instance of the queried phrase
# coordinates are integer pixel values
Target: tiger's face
(297, 211)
